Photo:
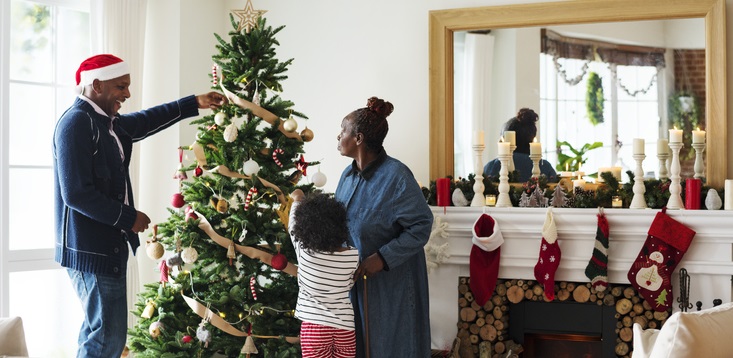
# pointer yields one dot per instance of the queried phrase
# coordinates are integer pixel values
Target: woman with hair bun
(525, 127)
(389, 223)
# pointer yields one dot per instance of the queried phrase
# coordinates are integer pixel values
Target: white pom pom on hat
(101, 67)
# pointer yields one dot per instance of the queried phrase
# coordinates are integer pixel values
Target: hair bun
(527, 116)
(380, 106)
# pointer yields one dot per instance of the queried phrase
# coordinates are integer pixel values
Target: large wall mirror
(446, 26)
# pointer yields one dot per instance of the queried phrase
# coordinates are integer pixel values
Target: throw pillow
(12, 337)
(705, 333)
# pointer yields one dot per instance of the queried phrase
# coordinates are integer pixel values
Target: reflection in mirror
(640, 65)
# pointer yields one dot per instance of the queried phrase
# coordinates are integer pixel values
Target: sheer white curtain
(118, 28)
(475, 98)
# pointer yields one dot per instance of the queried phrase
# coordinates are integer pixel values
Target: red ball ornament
(187, 339)
(279, 261)
(190, 214)
(178, 201)
(198, 171)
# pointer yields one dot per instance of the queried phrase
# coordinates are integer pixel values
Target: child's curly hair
(320, 224)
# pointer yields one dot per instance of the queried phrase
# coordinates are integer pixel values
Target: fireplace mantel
(708, 261)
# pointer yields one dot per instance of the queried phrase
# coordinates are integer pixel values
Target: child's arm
(297, 196)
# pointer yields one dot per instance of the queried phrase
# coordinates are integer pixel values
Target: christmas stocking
(544, 270)
(666, 243)
(484, 260)
(597, 269)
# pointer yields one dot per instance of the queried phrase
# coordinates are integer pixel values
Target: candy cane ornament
(213, 74)
(274, 156)
(252, 282)
(250, 194)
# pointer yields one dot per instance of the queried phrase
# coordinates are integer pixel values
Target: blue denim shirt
(388, 214)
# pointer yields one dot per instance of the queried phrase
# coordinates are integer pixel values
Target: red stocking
(666, 243)
(549, 260)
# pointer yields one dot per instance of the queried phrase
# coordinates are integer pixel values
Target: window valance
(560, 46)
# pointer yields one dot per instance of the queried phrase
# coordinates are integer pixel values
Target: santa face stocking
(484, 259)
(597, 269)
(549, 260)
(651, 273)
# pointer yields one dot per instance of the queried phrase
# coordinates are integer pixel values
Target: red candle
(692, 194)
(442, 186)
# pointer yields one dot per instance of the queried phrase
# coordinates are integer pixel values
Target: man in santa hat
(95, 218)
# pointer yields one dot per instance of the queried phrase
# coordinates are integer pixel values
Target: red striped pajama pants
(319, 341)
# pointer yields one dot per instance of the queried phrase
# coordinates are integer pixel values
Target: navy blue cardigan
(92, 221)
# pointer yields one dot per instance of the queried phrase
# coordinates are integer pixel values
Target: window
(632, 87)
(41, 48)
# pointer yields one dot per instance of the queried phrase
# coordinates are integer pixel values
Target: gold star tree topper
(248, 17)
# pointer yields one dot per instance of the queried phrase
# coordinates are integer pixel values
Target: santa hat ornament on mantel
(484, 260)
(101, 67)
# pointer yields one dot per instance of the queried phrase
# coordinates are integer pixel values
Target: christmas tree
(228, 284)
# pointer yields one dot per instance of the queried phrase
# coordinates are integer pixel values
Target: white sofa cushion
(12, 337)
(644, 340)
(706, 333)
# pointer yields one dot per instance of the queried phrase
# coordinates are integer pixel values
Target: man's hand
(370, 266)
(141, 223)
(212, 100)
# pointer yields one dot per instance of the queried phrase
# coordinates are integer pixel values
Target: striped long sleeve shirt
(324, 281)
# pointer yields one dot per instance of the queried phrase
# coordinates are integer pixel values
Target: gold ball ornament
(290, 125)
(154, 250)
(306, 134)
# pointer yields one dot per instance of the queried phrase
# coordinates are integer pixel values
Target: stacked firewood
(483, 331)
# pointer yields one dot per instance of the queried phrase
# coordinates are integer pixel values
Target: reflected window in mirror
(601, 92)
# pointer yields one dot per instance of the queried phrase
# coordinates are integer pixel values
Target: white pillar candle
(616, 171)
(675, 135)
(662, 146)
(638, 146)
(602, 170)
(579, 183)
(728, 194)
(535, 147)
(698, 136)
(511, 137)
(503, 147)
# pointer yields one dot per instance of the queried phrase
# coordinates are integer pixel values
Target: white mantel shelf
(708, 261)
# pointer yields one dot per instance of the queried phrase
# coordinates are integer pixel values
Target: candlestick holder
(478, 185)
(675, 199)
(503, 200)
(512, 147)
(638, 202)
(699, 162)
(663, 173)
(535, 164)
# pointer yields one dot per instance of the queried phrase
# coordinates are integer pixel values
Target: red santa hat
(485, 256)
(101, 67)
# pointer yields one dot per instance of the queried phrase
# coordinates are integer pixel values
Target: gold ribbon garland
(223, 325)
(250, 252)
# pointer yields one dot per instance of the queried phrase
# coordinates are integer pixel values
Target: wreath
(594, 98)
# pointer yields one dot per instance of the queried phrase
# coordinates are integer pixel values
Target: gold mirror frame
(443, 23)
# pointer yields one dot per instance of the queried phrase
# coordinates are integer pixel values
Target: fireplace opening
(563, 329)
(562, 346)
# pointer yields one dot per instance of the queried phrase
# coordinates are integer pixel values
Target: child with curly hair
(326, 267)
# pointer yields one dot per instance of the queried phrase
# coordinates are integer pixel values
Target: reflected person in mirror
(525, 127)
(389, 223)
(96, 222)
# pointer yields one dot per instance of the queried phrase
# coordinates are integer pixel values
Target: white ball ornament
(220, 118)
(155, 329)
(230, 133)
(189, 255)
(290, 125)
(250, 167)
(318, 179)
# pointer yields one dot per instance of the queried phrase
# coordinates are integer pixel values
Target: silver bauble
(250, 167)
(220, 118)
(290, 125)
(318, 179)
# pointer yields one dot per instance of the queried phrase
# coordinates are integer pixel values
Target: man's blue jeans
(104, 301)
